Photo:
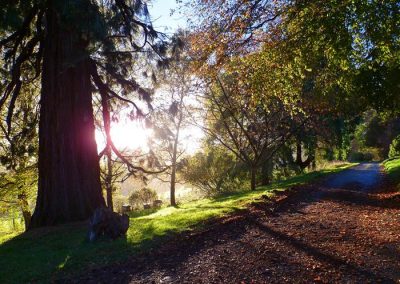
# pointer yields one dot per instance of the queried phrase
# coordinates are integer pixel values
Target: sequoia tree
(71, 46)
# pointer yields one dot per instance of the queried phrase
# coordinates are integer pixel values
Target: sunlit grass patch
(8, 235)
(392, 168)
(46, 254)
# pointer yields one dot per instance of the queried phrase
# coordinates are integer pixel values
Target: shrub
(214, 173)
(143, 196)
(368, 156)
(356, 157)
(394, 150)
(361, 157)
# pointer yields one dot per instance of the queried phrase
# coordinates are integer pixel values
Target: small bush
(356, 156)
(368, 157)
(141, 197)
(361, 157)
(394, 150)
(214, 173)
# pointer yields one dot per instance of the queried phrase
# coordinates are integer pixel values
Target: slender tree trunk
(299, 153)
(109, 189)
(174, 156)
(107, 128)
(26, 213)
(266, 172)
(69, 174)
(173, 174)
(299, 157)
(313, 165)
(265, 180)
(253, 173)
(173, 185)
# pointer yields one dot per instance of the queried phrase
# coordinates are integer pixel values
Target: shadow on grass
(46, 254)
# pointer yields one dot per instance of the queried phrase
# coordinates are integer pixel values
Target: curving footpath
(344, 230)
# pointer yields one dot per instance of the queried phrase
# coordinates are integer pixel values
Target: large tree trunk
(69, 173)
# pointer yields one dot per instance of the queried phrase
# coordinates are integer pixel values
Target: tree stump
(105, 222)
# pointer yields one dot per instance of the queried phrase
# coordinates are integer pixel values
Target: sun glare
(133, 135)
(127, 135)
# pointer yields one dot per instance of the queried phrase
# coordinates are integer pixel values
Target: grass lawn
(392, 167)
(46, 254)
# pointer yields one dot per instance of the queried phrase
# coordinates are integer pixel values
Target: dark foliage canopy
(113, 34)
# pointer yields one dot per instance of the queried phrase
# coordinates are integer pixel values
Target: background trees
(215, 171)
(18, 158)
(312, 56)
(347, 38)
(253, 133)
(177, 87)
(18, 190)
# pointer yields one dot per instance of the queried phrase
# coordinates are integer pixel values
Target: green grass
(392, 168)
(46, 254)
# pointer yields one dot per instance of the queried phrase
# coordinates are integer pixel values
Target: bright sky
(132, 135)
(160, 11)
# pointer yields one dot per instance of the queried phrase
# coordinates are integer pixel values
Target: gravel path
(343, 231)
(364, 176)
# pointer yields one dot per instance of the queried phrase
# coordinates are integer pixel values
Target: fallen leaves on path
(312, 235)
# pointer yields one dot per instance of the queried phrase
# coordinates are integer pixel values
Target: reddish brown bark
(69, 174)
